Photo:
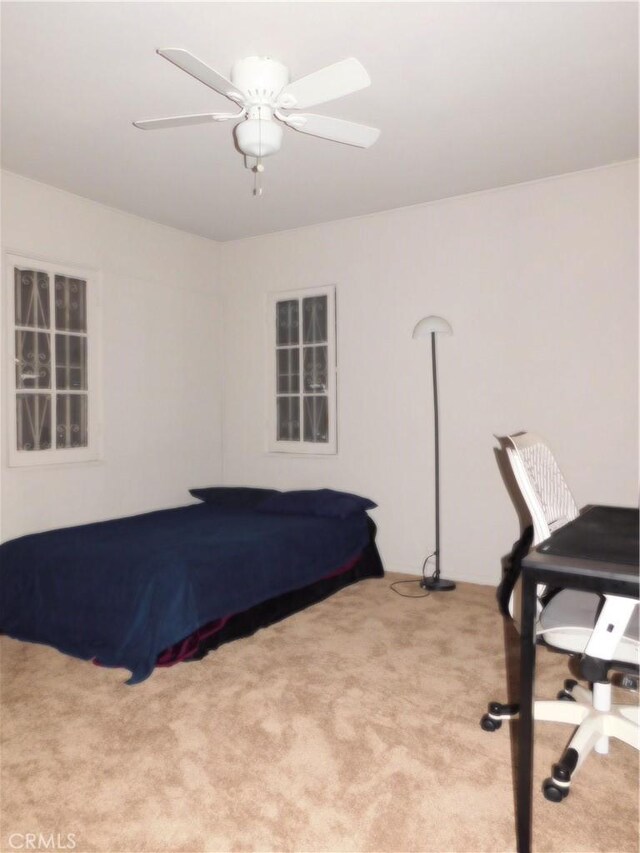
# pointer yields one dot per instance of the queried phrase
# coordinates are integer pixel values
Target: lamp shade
(431, 324)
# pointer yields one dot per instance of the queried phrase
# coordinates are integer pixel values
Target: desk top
(600, 542)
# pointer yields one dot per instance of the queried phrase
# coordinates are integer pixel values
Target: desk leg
(525, 724)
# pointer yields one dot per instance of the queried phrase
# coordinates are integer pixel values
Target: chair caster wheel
(488, 724)
(563, 696)
(553, 792)
(566, 694)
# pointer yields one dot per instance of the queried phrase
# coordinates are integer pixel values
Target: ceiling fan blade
(324, 85)
(335, 129)
(189, 63)
(183, 121)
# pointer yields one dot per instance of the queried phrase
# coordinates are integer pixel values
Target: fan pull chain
(259, 168)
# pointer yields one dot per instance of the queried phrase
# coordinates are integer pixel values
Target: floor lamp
(433, 326)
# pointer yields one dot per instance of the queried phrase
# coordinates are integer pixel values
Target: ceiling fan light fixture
(258, 138)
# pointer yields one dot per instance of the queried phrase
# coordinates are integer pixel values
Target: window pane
(71, 420)
(71, 304)
(31, 291)
(314, 318)
(33, 415)
(33, 365)
(315, 370)
(288, 371)
(287, 322)
(288, 419)
(71, 362)
(316, 419)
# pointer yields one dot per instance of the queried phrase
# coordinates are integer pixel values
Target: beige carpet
(352, 726)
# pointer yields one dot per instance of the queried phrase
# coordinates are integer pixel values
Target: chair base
(595, 717)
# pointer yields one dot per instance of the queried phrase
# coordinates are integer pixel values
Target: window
(53, 364)
(303, 371)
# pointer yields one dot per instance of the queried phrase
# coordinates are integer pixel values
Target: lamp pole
(436, 421)
(431, 326)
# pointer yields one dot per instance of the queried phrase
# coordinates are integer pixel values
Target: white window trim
(54, 456)
(302, 448)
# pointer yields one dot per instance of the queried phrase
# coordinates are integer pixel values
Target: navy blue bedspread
(123, 591)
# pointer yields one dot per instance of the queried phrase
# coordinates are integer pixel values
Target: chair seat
(568, 620)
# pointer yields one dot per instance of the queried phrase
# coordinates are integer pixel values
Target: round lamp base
(437, 584)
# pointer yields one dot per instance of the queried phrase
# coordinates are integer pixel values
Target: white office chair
(602, 629)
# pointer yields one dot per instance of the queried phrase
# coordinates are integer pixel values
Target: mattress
(125, 591)
(238, 625)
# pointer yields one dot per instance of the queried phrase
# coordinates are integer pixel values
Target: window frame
(54, 456)
(302, 447)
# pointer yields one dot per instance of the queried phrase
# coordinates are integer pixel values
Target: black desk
(608, 534)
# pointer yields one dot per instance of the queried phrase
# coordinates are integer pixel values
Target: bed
(174, 584)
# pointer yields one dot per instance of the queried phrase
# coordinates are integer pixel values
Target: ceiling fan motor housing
(260, 78)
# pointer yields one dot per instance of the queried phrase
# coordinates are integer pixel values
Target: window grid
(57, 404)
(304, 362)
(51, 369)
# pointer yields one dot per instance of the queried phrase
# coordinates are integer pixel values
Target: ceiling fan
(261, 88)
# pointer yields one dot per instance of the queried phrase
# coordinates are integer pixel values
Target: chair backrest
(546, 494)
(541, 483)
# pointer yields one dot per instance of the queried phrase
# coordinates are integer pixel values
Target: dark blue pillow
(323, 502)
(232, 497)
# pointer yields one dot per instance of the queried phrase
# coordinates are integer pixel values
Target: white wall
(540, 284)
(161, 372)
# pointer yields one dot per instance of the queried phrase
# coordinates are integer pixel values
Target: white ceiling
(468, 96)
